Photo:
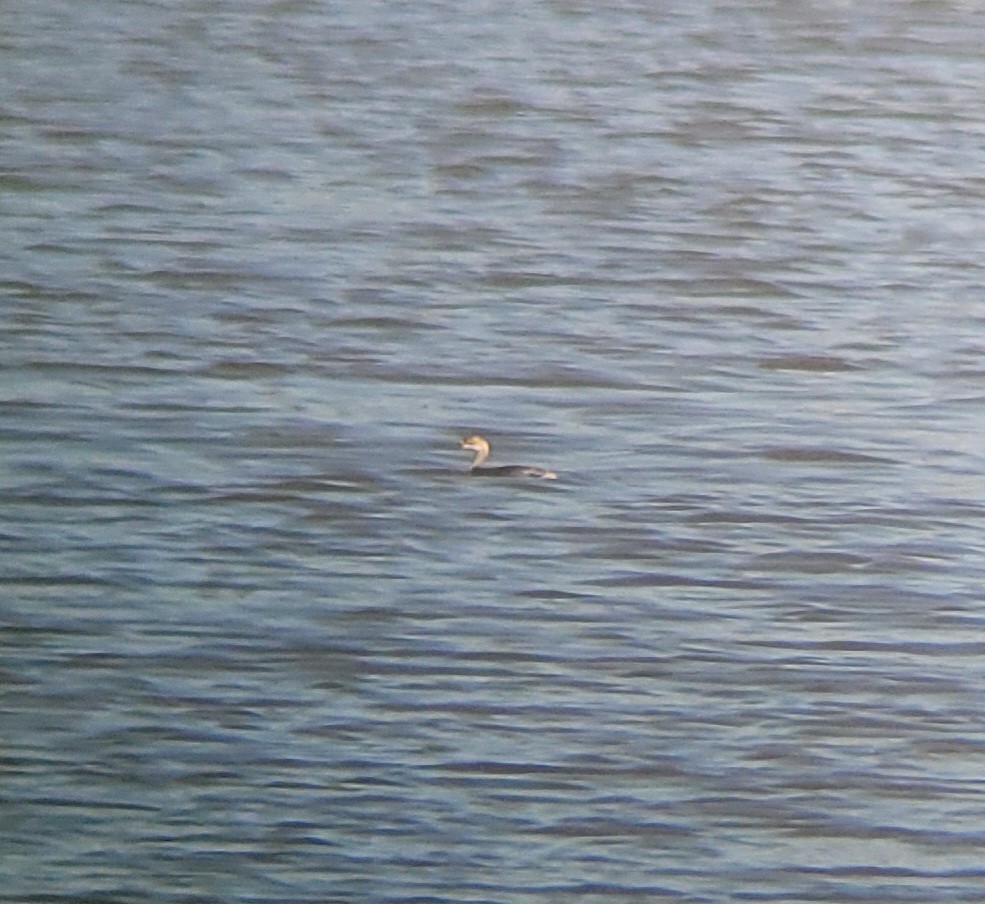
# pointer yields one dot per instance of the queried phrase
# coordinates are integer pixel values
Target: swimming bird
(480, 445)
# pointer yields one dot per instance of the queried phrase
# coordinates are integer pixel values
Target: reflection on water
(262, 636)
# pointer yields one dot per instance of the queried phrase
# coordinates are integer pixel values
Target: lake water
(720, 265)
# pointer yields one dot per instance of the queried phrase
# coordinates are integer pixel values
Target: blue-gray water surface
(719, 264)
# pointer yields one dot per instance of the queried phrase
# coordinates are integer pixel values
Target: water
(719, 265)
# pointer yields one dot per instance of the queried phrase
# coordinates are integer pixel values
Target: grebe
(480, 446)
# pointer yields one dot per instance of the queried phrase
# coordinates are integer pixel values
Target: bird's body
(480, 446)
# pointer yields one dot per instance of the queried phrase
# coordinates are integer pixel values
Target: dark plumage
(480, 446)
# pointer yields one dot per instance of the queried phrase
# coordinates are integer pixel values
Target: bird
(480, 446)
